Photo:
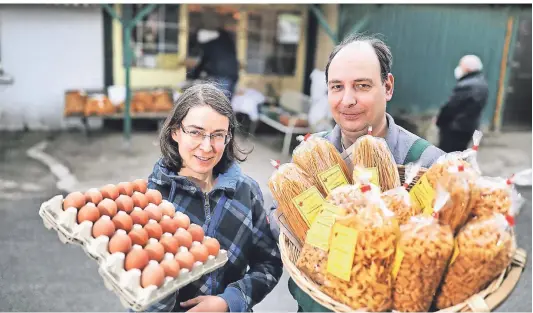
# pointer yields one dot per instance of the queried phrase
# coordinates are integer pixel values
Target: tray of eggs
(145, 249)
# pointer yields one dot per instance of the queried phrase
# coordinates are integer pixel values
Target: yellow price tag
(318, 235)
(341, 254)
(332, 178)
(455, 252)
(309, 204)
(398, 258)
(423, 194)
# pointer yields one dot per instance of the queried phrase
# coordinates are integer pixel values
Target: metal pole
(324, 23)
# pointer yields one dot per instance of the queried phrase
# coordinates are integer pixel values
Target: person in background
(460, 116)
(199, 174)
(218, 60)
(360, 83)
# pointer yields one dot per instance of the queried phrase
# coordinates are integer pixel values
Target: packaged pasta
(314, 254)
(398, 200)
(422, 254)
(456, 181)
(483, 249)
(372, 152)
(297, 197)
(360, 258)
(322, 162)
(470, 155)
(353, 198)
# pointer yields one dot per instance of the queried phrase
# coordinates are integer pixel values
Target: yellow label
(309, 204)
(396, 226)
(455, 252)
(332, 178)
(329, 212)
(318, 235)
(341, 254)
(423, 194)
(398, 258)
(374, 178)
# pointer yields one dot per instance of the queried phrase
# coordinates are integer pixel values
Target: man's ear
(389, 87)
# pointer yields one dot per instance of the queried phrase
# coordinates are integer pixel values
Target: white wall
(47, 49)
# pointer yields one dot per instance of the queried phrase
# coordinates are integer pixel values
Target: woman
(198, 172)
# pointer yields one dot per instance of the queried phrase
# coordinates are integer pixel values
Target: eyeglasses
(199, 135)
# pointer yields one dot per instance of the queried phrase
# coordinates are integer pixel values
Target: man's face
(356, 93)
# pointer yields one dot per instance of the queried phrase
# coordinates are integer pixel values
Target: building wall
(47, 49)
(427, 42)
(324, 44)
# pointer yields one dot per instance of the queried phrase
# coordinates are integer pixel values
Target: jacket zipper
(207, 212)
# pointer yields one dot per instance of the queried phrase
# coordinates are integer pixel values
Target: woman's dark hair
(198, 95)
(382, 51)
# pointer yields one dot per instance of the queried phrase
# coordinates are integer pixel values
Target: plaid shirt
(233, 213)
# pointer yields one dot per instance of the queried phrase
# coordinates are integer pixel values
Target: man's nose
(348, 97)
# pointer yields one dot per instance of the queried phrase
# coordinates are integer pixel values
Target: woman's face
(199, 152)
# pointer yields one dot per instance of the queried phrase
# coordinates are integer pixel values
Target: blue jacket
(233, 213)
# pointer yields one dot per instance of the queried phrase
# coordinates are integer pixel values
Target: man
(460, 116)
(360, 84)
(218, 60)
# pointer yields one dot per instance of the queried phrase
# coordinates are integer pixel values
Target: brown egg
(136, 258)
(124, 203)
(167, 208)
(109, 191)
(155, 250)
(154, 212)
(153, 274)
(120, 242)
(171, 267)
(212, 245)
(154, 196)
(197, 232)
(123, 221)
(139, 216)
(93, 195)
(170, 243)
(184, 238)
(88, 212)
(125, 188)
(107, 207)
(140, 185)
(185, 259)
(168, 225)
(199, 252)
(103, 227)
(139, 200)
(74, 199)
(154, 229)
(182, 220)
(139, 236)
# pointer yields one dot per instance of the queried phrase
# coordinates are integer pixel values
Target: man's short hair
(382, 51)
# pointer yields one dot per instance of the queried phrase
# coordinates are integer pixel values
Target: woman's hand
(206, 304)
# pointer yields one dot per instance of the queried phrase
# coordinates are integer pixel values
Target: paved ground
(38, 273)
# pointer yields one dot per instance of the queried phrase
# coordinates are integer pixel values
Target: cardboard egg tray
(125, 284)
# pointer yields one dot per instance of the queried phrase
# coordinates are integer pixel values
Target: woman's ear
(389, 87)
(175, 133)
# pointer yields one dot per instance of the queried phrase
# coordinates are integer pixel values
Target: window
(272, 42)
(155, 38)
(210, 17)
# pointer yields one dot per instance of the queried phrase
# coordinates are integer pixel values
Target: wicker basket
(484, 301)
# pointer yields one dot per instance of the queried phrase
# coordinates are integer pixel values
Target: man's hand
(206, 304)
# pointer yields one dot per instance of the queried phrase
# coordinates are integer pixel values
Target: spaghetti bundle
(296, 196)
(322, 162)
(373, 152)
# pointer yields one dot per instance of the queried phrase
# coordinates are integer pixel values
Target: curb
(65, 180)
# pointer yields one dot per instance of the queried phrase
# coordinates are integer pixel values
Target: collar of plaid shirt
(233, 213)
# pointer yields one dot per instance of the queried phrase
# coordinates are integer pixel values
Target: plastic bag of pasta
(298, 198)
(398, 200)
(493, 194)
(353, 198)
(314, 254)
(483, 249)
(360, 258)
(470, 155)
(322, 162)
(422, 254)
(373, 152)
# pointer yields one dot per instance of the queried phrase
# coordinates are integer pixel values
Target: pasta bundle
(422, 254)
(373, 152)
(398, 200)
(322, 162)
